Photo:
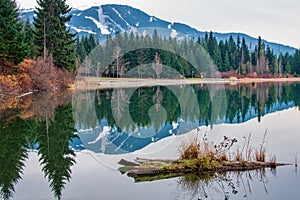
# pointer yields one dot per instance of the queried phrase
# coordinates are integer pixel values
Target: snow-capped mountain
(108, 140)
(110, 19)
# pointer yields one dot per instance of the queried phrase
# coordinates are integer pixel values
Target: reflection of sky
(91, 180)
(283, 136)
(95, 176)
(103, 139)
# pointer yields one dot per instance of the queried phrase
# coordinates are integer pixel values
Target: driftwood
(154, 169)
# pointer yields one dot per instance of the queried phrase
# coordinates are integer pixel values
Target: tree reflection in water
(226, 184)
(244, 102)
(45, 123)
(50, 130)
(13, 154)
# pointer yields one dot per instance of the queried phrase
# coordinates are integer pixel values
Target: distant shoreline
(103, 83)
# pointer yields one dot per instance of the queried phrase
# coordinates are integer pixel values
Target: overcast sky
(273, 20)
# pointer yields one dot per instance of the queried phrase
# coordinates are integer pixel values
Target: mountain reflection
(121, 120)
(48, 131)
(242, 103)
(45, 123)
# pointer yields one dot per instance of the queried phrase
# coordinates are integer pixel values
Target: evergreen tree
(12, 45)
(29, 39)
(286, 63)
(245, 52)
(288, 68)
(222, 48)
(226, 62)
(92, 42)
(227, 55)
(80, 50)
(272, 61)
(254, 57)
(211, 44)
(155, 38)
(217, 56)
(231, 50)
(238, 55)
(51, 35)
(261, 58)
(84, 46)
(296, 64)
(260, 49)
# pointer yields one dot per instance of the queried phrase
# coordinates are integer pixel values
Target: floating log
(150, 169)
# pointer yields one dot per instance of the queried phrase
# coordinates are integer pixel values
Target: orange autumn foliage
(8, 83)
(44, 82)
(38, 75)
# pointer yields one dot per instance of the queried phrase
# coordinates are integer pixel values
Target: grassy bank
(103, 83)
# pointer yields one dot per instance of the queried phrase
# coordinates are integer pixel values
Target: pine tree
(286, 63)
(80, 49)
(226, 62)
(29, 39)
(296, 64)
(238, 54)
(217, 56)
(211, 44)
(155, 38)
(260, 49)
(231, 50)
(271, 61)
(254, 57)
(261, 58)
(92, 43)
(245, 52)
(51, 35)
(12, 45)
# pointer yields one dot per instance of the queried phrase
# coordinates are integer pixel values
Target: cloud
(274, 20)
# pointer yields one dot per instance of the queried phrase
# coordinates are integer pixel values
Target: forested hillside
(44, 55)
(190, 58)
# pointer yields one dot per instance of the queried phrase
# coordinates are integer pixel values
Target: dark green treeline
(243, 101)
(231, 56)
(48, 36)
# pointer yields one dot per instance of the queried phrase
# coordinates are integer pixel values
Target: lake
(67, 146)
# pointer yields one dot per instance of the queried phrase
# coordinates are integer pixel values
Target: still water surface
(70, 151)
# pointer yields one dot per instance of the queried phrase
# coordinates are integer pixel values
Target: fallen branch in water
(171, 168)
(197, 156)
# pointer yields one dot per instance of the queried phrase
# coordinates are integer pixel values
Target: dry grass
(222, 157)
(190, 149)
(260, 154)
(238, 155)
(196, 148)
(201, 149)
(249, 149)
